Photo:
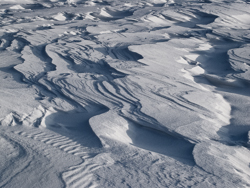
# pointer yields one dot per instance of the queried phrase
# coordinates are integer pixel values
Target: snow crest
(148, 93)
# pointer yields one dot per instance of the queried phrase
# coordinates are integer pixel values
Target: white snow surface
(115, 93)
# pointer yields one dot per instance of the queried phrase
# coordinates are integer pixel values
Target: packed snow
(124, 93)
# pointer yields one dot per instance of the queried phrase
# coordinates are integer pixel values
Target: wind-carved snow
(148, 93)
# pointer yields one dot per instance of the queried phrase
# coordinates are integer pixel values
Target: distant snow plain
(124, 93)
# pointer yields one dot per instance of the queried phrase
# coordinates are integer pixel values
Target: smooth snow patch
(60, 17)
(17, 7)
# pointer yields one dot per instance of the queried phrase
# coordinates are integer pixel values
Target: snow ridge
(151, 93)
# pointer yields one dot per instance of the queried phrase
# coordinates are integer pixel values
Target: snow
(147, 93)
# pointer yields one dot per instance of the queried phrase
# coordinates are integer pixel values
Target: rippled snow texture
(146, 93)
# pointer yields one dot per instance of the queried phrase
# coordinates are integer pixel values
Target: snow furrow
(147, 93)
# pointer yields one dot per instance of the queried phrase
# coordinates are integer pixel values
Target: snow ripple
(148, 93)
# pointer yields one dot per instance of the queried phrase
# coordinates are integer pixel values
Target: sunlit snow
(124, 93)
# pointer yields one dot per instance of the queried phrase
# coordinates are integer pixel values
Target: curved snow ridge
(63, 16)
(113, 129)
(235, 19)
(203, 106)
(240, 62)
(59, 121)
(150, 81)
(108, 14)
(33, 68)
(110, 125)
(224, 82)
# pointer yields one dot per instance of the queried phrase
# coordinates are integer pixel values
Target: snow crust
(145, 93)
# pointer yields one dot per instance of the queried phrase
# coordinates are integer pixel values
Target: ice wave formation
(124, 93)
